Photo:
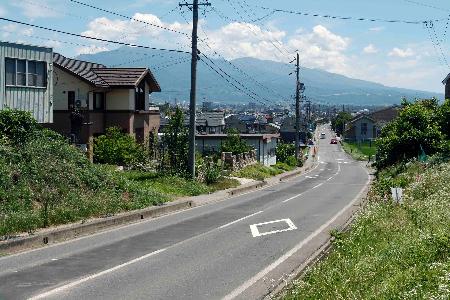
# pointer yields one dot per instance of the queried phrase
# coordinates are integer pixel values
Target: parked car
(333, 141)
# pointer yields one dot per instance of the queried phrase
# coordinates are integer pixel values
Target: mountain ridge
(173, 73)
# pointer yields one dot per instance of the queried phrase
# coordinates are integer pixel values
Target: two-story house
(90, 97)
(26, 79)
(446, 82)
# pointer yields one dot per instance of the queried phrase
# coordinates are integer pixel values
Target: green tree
(118, 148)
(339, 121)
(234, 143)
(444, 118)
(176, 142)
(16, 125)
(416, 126)
(286, 154)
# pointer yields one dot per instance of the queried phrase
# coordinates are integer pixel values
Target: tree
(285, 152)
(417, 127)
(339, 121)
(175, 140)
(234, 143)
(444, 118)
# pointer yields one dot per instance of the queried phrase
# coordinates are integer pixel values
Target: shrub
(234, 143)
(284, 151)
(292, 161)
(176, 142)
(118, 148)
(18, 126)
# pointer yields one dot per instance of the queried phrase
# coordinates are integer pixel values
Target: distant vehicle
(333, 141)
(322, 135)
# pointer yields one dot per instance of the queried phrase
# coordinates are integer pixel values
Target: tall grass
(392, 251)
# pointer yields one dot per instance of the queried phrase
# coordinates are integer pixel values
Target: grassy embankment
(392, 251)
(261, 172)
(360, 150)
(44, 181)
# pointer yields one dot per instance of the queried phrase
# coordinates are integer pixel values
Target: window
(140, 97)
(363, 128)
(71, 100)
(99, 101)
(20, 72)
(21, 78)
(10, 70)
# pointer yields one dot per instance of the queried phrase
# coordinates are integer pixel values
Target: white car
(322, 135)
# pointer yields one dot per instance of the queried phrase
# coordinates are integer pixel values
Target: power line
(427, 5)
(92, 38)
(129, 18)
(430, 26)
(413, 22)
(233, 65)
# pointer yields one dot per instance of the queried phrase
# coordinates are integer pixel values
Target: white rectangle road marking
(256, 233)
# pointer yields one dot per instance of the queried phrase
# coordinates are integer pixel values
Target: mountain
(172, 70)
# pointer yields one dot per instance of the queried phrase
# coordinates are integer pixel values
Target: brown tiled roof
(80, 68)
(102, 76)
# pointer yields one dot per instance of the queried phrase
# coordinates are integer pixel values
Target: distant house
(287, 130)
(446, 81)
(264, 144)
(26, 79)
(234, 122)
(90, 97)
(211, 122)
(368, 126)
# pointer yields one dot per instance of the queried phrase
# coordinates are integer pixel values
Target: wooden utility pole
(192, 104)
(297, 109)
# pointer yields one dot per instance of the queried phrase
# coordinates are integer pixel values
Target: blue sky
(394, 54)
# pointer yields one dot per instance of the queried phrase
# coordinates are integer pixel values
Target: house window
(20, 72)
(364, 128)
(99, 101)
(71, 100)
(140, 97)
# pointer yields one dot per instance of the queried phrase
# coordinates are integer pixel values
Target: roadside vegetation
(360, 150)
(45, 181)
(396, 250)
(260, 172)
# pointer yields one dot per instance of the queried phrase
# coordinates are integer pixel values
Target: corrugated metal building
(26, 79)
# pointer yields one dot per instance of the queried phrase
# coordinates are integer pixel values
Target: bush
(18, 126)
(234, 143)
(284, 151)
(117, 148)
(292, 161)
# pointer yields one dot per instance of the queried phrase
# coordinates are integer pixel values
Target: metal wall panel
(38, 101)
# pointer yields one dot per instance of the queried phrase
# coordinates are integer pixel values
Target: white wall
(122, 99)
(64, 82)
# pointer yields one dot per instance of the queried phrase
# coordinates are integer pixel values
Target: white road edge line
(317, 185)
(241, 219)
(93, 276)
(291, 252)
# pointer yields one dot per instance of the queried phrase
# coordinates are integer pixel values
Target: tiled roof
(102, 76)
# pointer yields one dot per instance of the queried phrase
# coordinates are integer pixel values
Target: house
(211, 122)
(26, 79)
(90, 97)
(287, 130)
(234, 122)
(264, 144)
(368, 126)
(446, 81)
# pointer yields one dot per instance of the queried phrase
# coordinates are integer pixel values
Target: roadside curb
(77, 230)
(247, 188)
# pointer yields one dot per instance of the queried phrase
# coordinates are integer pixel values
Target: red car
(333, 141)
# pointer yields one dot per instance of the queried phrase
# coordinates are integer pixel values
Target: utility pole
(192, 103)
(297, 109)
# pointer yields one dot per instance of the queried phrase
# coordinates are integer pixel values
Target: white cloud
(370, 49)
(41, 9)
(376, 29)
(3, 11)
(402, 53)
(91, 49)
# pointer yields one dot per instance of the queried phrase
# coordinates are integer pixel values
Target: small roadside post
(397, 195)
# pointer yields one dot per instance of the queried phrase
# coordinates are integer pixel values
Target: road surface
(225, 250)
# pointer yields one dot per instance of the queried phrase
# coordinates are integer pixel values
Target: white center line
(246, 217)
(317, 185)
(93, 276)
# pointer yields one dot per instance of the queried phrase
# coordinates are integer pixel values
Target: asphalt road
(216, 251)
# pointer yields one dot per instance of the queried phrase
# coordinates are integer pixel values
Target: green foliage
(392, 251)
(292, 161)
(444, 118)
(417, 125)
(339, 121)
(234, 143)
(177, 144)
(360, 150)
(257, 172)
(284, 151)
(117, 148)
(18, 126)
(208, 170)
